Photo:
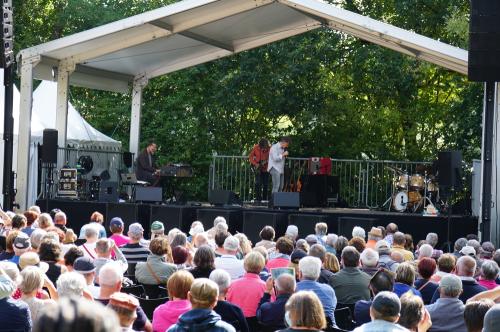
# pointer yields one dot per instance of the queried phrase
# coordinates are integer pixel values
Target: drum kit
(413, 192)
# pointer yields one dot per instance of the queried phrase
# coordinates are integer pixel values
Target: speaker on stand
(49, 160)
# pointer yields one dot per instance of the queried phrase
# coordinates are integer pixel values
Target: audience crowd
(121, 279)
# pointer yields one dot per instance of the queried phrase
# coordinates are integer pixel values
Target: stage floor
(251, 219)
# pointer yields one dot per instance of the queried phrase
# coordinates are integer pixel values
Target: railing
(363, 183)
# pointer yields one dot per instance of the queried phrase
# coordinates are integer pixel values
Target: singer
(276, 164)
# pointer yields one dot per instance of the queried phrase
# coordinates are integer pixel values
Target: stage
(250, 220)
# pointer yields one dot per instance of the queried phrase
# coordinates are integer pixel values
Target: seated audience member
(50, 253)
(158, 267)
(384, 256)
(426, 287)
(228, 261)
(303, 245)
(374, 235)
(432, 240)
(390, 229)
(331, 240)
(311, 239)
(468, 251)
(204, 262)
(304, 312)
(489, 274)
(459, 244)
(180, 257)
(267, 238)
(247, 291)
(447, 313)
(321, 229)
(409, 243)
(425, 250)
(245, 245)
(200, 239)
(413, 314)
(331, 263)
(492, 319)
(271, 314)
(203, 297)
(445, 265)
(104, 248)
(474, 313)
(309, 271)
(381, 281)
(45, 221)
(116, 226)
(86, 267)
(77, 315)
(36, 238)
(384, 312)
(91, 235)
(397, 257)
(178, 286)
(60, 221)
(172, 234)
(125, 306)
(317, 250)
(9, 246)
(31, 217)
(350, 283)
(341, 243)
(110, 282)
(369, 261)
(358, 232)
(292, 232)
(157, 229)
(219, 239)
(195, 229)
(212, 231)
(295, 258)
(228, 312)
(134, 251)
(474, 243)
(21, 245)
(72, 284)
(358, 243)
(70, 257)
(32, 283)
(405, 278)
(398, 245)
(264, 274)
(96, 220)
(281, 256)
(18, 222)
(465, 269)
(487, 250)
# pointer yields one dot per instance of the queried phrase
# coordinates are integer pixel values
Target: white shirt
(231, 265)
(276, 159)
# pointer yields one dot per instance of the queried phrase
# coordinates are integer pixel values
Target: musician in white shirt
(276, 164)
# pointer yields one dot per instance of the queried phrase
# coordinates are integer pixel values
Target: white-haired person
(229, 261)
(72, 284)
(15, 313)
(309, 272)
(195, 229)
(320, 230)
(489, 274)
(211, 232)
(292, 232)
(203, 297)
(33, 279)
(91, 235)
(228, 311)
(110, 281)
(359, 232)
(330, 242)
(369, 261)
(104, 248)
(319, 251)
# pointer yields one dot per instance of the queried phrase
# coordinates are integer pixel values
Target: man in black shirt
(146, 164)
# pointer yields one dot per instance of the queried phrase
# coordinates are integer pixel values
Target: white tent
(80, 133)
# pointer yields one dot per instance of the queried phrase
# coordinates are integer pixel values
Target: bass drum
(414, 199)
(400, 201)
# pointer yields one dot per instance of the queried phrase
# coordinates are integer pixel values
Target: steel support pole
(64, 70)
(8, 136)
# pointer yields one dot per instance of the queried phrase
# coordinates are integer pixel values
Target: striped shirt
(134, 252)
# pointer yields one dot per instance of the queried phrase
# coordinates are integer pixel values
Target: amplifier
(68, 186)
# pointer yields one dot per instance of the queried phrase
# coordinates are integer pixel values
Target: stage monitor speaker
(286, 200)
(127, 159)
(49, 147)
(449, 169)
(223, 197)
(108, 192)
(149, 194)
(484, 41)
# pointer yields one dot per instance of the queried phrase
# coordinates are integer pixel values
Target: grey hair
(61, 215)
(36, 238)
(35, 208)
(489, 269)
(369, 257)
(425, 250)
(221, 227)
(103, 246)
(179, 239)
(222, 279)
(358, 231)
(110, 274)
(286, 283)
(71, 284)
(460, 243)
(91, 231)
(50, 236)
(292, 231)
(310, 268)
(321, 228)
(12, 271)
(432, 239)
(331, 239)
(219, 220)
(475, 244)
(32, 279)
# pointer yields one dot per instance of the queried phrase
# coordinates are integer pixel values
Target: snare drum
(417, 182)
(402, 181)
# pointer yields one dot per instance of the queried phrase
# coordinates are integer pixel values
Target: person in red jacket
(258, 158)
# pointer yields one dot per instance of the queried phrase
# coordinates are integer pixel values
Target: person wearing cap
(228, 261)
(116, 226)
(21, 245)
(157, 229)
(447, 313)
(96, 220)
(374, 235)
(134, 251)
(468, 251)
(125, 306)
(384, 256)
(104, 249)
(465, 270)
(86, 267)
(16, 313)
(384, 312)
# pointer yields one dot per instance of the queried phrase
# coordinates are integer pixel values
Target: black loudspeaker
(49, 147)
(127, 159)
(286, 200)
(484, 41)
(318, 190)
(223, 197)
(449, 169)
(254, 221)
(148, 194)
(108, 192)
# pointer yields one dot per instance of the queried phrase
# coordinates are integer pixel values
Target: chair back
(154, 291)
(343, 318)
(131, 269)
(136, 290)
(149, 305)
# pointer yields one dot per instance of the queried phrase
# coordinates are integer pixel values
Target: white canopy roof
(191, 32)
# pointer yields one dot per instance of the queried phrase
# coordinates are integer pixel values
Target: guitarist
(258, 159)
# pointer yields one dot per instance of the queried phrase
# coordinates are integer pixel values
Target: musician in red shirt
(258, 158)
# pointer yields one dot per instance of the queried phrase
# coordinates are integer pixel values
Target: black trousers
(261, 185)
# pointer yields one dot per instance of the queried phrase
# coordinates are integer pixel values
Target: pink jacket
(167, 314)
(246, 293)
(277, 262)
